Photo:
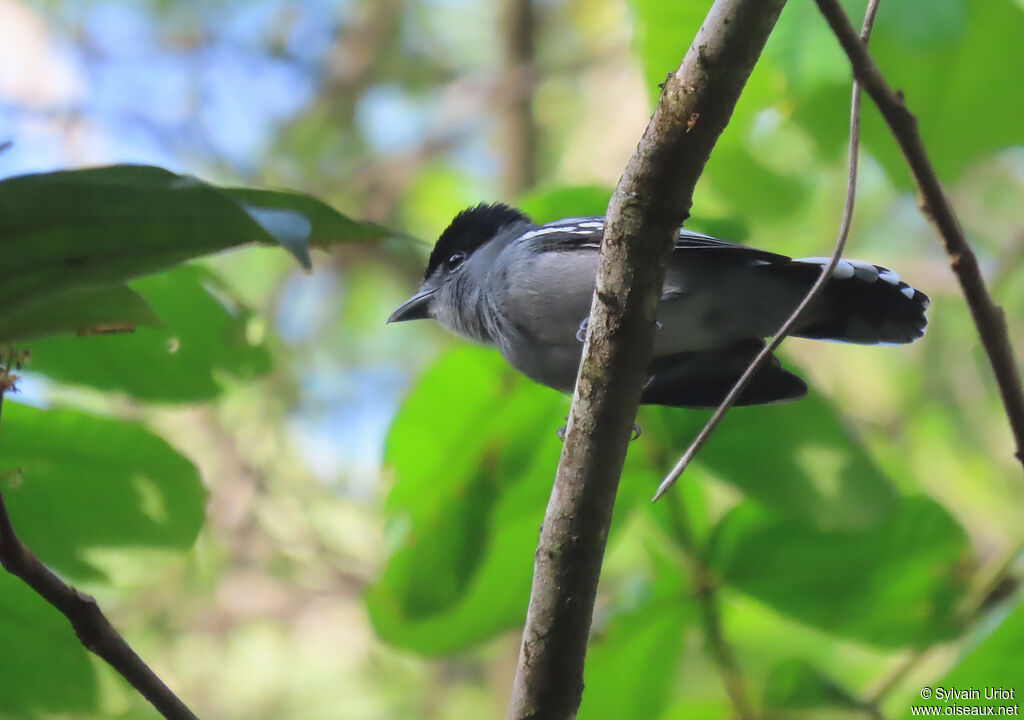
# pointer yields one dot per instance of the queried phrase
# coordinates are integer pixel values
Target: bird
(496, 277)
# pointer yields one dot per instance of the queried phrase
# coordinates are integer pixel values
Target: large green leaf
(796, 690)
(949, 62)
(89, 482)
(45, 669)
(994, 664)
(894, 584)
(204, 333)
(473, 451)
(82, 311)
(101, 226)
(547, 204)
(662, 33)
(797, 458)
(644, 629)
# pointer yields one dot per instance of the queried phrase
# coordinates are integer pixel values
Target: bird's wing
(584, 233)
(703, 378)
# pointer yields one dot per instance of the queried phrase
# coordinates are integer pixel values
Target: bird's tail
(862, 303)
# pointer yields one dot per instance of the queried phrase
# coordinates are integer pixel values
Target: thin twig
(90, 624)
(999, 583)
(705, 591)
(810, 297)
(988, 317)
(896, 676)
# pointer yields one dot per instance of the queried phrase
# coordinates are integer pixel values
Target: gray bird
(496, 277)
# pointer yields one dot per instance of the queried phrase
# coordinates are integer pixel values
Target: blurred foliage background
(294, 511)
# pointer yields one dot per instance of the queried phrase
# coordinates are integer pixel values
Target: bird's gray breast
(545, 297)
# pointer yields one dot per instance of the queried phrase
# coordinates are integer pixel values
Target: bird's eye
(455, 260)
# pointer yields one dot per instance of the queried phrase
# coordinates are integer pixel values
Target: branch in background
(988, 317)
(812, 294)
(650, 203)
(519, 136)
(90, 624)
(704, 590)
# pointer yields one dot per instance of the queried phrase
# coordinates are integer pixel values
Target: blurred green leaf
(101, 226)
(950, 63)
(83, 311)
(995, 662)
(45, 669)
(646, 629)
(798, 458)
(795, 690)
(205, 332)
(745, 182)
(894, 584)
(662, 34)
(554, 203)
(473, 451)
(89, 482)
(299, 221)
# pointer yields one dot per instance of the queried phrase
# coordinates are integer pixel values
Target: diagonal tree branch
(90, 624)
(651, 201)
(705, 591)
(988, 317)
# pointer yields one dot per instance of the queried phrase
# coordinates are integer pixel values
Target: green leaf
(994, 662)
(949, 62)
(645, 629)
(473, 451)
(205, 333)
(894, 584)
(795, 690)
(101, 226)
(83, 311)
(298, 221)
(745, 182)
(89, 482)
(45, 669)
(662, 34)
(740, 178)
(554, 203)
(798, 458)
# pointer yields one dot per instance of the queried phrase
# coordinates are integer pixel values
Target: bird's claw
(560, 432)
(581, 334)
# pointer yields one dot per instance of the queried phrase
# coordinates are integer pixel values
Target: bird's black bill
(415, 308)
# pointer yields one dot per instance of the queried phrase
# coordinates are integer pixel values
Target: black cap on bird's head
(467, 231)
(470, 229)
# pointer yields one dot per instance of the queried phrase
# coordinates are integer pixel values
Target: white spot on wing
(866, 272)
(889, 277)
(843, 270)
(908, 291)
(547, 230)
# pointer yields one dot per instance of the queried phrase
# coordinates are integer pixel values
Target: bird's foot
(560, 432)
(581, 334)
